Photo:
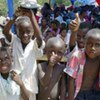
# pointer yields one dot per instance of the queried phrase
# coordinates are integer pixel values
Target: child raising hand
(25, 49)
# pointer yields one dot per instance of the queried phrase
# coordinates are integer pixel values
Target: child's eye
(6, 58)
(28, 32)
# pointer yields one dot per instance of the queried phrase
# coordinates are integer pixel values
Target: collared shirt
(9, 90)
(24, 62)
(75, 67)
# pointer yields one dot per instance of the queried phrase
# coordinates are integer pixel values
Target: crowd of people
(56, 33)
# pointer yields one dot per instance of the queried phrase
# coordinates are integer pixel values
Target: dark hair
(5, 49)
(85, 25)
(63, 29)
(47, 6)
(55, 22)
(44, 18)
(96, 24)
(63, 25)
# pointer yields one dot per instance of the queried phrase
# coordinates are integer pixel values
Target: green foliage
(3, 7)
(4, 10)
(66, 2)
(41, 2)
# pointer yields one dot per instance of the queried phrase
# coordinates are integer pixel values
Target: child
(51, 77)
(78, 32)
(53, 31)
(63, 35)
(9, 90)
(44, 26)
(83, 67)
(26, 50)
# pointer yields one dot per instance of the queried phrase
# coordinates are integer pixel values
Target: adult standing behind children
(83, 68)
(25, 50)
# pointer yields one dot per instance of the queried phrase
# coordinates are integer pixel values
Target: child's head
(24, 29)
(55, 46)
(83, 13)
(55, 25)
(44, 22)
(5, 60)
(83, 29)
(92, 43)
(64, 25)
(63, 32)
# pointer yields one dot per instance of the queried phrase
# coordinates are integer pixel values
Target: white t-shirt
(24, 62)
(9, 90)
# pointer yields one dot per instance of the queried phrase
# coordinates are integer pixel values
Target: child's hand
(23, 12)
(74, 24)
(16, 78)
(53, 59)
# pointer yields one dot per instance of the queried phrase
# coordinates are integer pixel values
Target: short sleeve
(38, 51)
(12, 39)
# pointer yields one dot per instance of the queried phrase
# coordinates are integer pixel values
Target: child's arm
(48, 74)
(74, 26)
(71, 88)
(37, 31)
(63, 88)
(18, 80)
(6, 30)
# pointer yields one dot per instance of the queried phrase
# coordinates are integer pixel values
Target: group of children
(23, 78)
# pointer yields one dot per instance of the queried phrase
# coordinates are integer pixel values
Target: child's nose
(25, 34)
(81, 39)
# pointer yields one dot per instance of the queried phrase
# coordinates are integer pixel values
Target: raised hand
(74, 24)
(16, 78)
(53, 59)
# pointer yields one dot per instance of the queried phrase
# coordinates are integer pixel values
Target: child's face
(56, 52)
(53, 26)
(25, 32)
(5, 62)
(44, 22)
(93, 47)
(63, 33)
(81, 37)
